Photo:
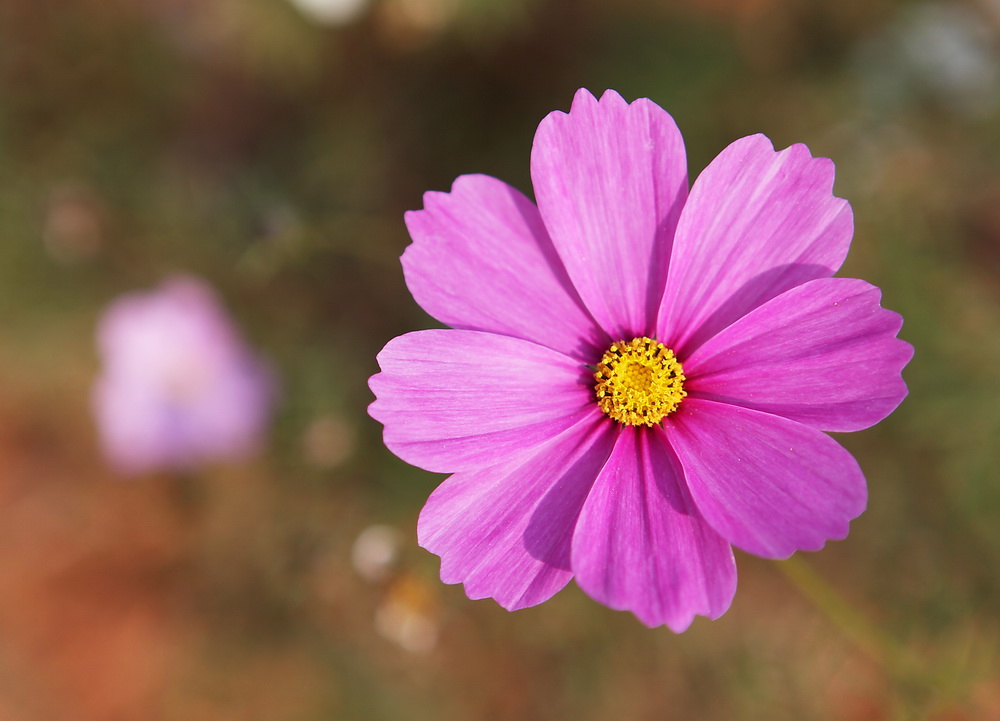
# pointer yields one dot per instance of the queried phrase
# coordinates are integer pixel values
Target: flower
(178, 386)
(637, 376)
(331, 12)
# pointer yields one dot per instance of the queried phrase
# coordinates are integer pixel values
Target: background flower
(178, 387)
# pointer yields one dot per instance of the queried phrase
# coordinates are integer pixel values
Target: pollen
(639, 382)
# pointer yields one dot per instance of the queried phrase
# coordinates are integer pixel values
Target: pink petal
(482, 260)
(769, 485)
(757, 223)
(824, 354)
(640, 544)
(454, 400)
(505, 531)
(610, 179)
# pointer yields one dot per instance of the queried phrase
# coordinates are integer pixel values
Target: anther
(639, 382)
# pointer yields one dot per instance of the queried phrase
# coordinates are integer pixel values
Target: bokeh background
(271, 148)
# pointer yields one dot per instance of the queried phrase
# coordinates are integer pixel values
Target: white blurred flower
(408, 616)
(375, 552)
(946, 52)
(331, 12)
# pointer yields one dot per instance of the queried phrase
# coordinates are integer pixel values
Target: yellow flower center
(639, 382)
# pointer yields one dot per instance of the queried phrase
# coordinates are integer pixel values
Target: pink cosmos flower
(178, 386)
(638, 375)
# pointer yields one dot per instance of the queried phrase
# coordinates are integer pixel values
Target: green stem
(869, 637)
(925, 684)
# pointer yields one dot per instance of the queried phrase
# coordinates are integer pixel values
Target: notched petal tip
(772, 215)
(481, 259)
(584, 101)
(612, 97)
(796, 154)
(459, 399)
(824, 353)
(768, 485)
(641, 545)
(504, 531)
(822, 166)
(420, 221)
(610, 179)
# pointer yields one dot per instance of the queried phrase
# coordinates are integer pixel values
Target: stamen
(639, 382)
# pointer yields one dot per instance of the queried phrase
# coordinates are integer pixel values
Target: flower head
(638, 376)
(178, 386)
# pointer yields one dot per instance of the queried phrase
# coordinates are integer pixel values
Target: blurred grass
(274, 157)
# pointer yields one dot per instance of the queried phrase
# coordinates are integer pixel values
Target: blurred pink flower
(178, 386)
(639, 374)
